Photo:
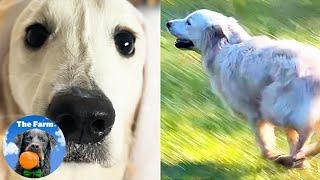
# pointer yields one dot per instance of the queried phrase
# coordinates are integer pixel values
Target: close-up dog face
(36, 141)
(81, 64)
(191, 31)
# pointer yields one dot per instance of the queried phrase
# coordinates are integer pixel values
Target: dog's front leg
(292, 138)
(265, 136)
(266, 139)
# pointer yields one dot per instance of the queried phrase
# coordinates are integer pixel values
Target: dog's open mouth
(184, 44)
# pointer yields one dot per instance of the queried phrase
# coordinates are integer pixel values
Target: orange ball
(29, 160)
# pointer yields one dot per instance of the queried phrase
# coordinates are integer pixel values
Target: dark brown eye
(124, 41)
(36, 35)
(42, 139)
(28, 139)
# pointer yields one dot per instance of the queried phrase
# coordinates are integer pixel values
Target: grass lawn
(199, 137)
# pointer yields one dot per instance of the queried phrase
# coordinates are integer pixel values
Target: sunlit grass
(200, 139)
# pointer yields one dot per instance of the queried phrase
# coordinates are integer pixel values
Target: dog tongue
(184, 44)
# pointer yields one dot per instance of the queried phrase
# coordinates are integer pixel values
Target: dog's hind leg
(311, 149)
(298, 153)
(293, 138)
(297, 142)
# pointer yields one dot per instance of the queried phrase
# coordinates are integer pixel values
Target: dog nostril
(66, 122)
(84, 116)
(98, 125)
(169, 24)
(33, 146)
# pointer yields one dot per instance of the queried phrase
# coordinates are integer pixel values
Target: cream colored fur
(270, 82)
(30, 79)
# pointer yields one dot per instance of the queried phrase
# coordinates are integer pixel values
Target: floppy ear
(212, 35)
(52, 141)
(231, 30)
(214, 32)
(219, 32)
(145, 150)
(9, 11)
(18, 140)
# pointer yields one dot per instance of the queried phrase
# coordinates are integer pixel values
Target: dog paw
(299, 161)
(301, 164)
(299, 155)
(286, 161)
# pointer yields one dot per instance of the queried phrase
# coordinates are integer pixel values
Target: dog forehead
(60, 12)
(71, 9)
(86, 16)
(205, 16)
(36, 133)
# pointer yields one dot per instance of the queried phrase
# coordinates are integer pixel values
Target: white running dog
(270, 82)
(92, 68)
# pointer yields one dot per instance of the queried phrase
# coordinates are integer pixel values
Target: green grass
(200, 139)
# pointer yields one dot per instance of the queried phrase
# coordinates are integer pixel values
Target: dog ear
(231, 30)
(145, 150)
(215, 32)
(52, 141)
(219, 33)
(211, 37)
(9, 11)
(18, 140)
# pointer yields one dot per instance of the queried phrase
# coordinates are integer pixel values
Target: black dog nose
(169, 24)
(34, 147)
(84, 116)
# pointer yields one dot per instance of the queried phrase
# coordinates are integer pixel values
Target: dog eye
(124, 41)
(42, 139)
(28, 139)
(36, 35)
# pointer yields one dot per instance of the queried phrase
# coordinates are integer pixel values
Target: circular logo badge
(34, 146)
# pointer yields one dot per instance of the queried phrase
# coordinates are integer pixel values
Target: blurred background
(151, 11)
(145, 2)
(199, 137)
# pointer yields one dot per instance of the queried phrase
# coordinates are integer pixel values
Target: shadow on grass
(198, 171)
(212, 170)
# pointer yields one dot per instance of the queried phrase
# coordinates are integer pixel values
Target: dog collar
(33, 173)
